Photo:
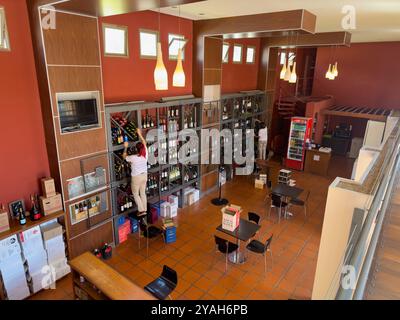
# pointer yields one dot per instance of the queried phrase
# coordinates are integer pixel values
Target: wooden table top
(109, 281)
(244, 232)
(287, 191)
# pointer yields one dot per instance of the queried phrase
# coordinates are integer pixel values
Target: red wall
(128, 79)
(23, 152)
(369, 75)
(240, 77)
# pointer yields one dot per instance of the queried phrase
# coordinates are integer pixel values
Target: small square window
(225, 53)
(115, 40)
(4, 40)
(237, 53)
(283, 58)
(251, 55)
(148, 44)
(175, 42)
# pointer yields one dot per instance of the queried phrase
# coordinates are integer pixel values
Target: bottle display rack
(170, 177)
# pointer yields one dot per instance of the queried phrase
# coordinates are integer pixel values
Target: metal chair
(225, 247)
(301, 203)
(276, 202)
(260, 248)
(164, 285)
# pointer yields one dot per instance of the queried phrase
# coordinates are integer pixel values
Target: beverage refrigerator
(300, 133)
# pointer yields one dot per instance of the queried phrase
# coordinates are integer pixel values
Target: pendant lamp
(179, 79)
(283, 71)
(287, 73)
(335, 70)
(160, 73)
(293, 75)
(329, 72)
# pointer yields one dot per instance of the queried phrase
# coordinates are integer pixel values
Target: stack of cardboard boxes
(190, 196)
(35, 257)
(261, 181)
(13, 276)
(124, 229)
(53, 240)
(51, 201)
(4, 221)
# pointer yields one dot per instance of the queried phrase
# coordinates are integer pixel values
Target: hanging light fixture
(288, 72)
(160, 72)
(283, 71)
(329, 72)
(335, 70)
(179, 79)
(293, 75)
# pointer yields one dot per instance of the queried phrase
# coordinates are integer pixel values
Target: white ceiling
(376, 20)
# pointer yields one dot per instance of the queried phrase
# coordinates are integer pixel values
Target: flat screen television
(78, 114)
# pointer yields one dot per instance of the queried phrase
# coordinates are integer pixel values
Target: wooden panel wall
(73, 65)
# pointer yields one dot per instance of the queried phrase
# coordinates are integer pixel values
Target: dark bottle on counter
(22, 218)
(35, 212)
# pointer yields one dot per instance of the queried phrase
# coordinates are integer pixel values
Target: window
(4, 41)
(115, 41)
(225, 53)
(237, 53)
(148, 44)
(251, 55)
(176, 41)
(292, 56)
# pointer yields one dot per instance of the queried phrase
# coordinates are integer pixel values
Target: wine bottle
(22, 218)
(35, 212)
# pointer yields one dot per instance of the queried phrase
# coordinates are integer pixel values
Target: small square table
(244, 232)
(287, 191)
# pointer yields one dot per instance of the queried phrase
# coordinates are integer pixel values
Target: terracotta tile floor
(201, 270)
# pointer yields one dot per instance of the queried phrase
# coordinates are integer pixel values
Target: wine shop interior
(199, 150)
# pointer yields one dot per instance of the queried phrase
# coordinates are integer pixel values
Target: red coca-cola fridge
(300, 133)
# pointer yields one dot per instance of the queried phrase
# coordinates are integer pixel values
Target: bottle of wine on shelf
(35, 212)
(21, 217)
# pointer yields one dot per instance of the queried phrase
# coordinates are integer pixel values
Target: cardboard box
(165, 210)
(173, 200)
(263, 178)
(259, 184)
(48, 187)
(174, 210)
(13, 268)
(36, 261)
(51, 231)
(230, 218)
(31, 240)
(191, 198)
(51, 205)
(4, 221)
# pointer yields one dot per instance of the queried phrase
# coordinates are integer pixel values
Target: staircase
(286, 107)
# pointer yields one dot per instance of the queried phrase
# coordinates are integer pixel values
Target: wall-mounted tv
(78, 111)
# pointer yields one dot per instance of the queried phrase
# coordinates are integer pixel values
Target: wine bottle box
(51, 231)
(51, 205)
(48, 187)
(4, 222)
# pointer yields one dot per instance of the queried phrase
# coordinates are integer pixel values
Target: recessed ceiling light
(202, 14)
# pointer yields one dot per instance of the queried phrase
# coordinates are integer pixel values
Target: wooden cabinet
(317, 162)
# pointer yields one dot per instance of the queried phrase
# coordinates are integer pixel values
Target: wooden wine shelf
(15, 227)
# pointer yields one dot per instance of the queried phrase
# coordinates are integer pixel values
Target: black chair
(301, 203)
(261, 248)
(254, 217)
(225, 247)
(277, 202)
(163, 286)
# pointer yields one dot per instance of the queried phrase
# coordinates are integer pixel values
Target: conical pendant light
(335, 70)
(287, 73)
(160, 72)
(179, 75)
(283, 71)
(293, 75)
(329, 72)
(179, 79)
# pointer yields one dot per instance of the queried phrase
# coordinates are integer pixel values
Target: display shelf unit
(166, 178)
(169, 117)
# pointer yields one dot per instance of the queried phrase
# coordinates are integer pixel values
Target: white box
(165, 210)
(54, 243)
(54, 256)
(174, 210)
(50, 231)
(31, 240)
(36, 261)
(173, 200)
(18, 293)
(62, 272)
(263, 178)
(12, 269)
(196, 195)
(9, 247)
(59, 264)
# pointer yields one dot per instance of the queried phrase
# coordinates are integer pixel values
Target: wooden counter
(111, 283)
(317, 162)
